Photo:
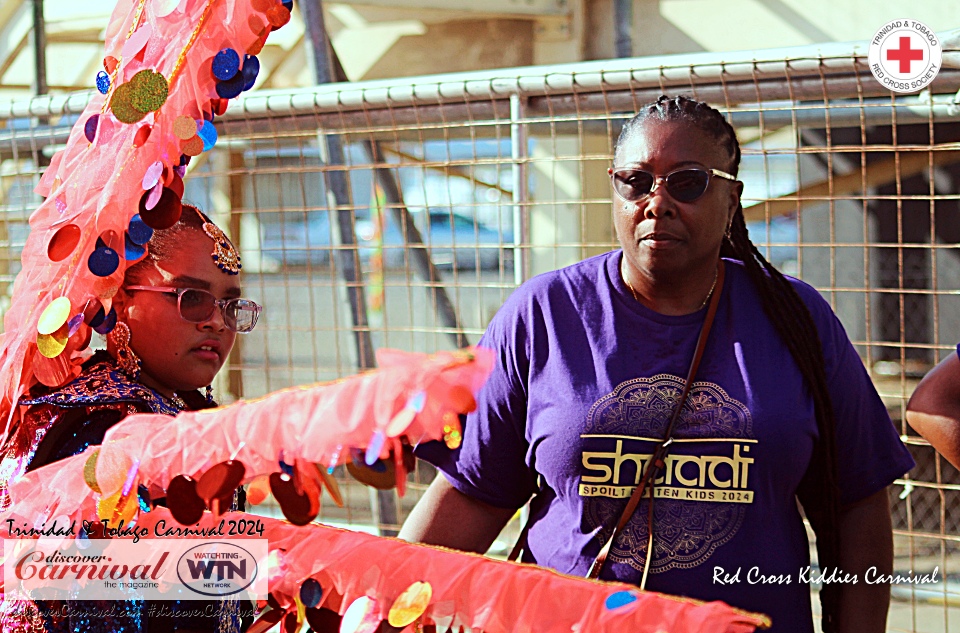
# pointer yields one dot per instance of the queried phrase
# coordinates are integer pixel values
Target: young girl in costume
(177, 314)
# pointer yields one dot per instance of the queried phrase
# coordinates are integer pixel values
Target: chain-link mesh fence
(452, 190)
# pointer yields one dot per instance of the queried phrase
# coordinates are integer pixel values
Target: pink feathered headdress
(169, 67)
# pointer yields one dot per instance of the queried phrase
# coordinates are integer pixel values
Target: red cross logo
(905, 54)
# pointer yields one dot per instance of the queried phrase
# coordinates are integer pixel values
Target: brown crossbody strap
(658, 460)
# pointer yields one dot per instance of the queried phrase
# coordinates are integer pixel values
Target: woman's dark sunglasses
(683, 185)
(196, 306)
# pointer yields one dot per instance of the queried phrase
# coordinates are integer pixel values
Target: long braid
(819, 492)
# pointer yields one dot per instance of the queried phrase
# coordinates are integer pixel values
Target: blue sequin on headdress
(103, 82)
(226, 64)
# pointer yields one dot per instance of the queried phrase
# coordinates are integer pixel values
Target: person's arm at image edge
(866, 540)
(445, 516)
(934, 408)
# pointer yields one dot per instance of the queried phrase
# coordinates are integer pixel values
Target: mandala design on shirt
(686, 532)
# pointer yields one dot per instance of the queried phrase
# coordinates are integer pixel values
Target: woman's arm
(934, 408)
(447, 517)
(866, 540)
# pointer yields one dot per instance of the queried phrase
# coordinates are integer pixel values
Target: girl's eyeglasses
(683, 185)
(196, 306)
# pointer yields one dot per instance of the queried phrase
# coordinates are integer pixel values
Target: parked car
(453, 240)
(783, 232)
(294, 239)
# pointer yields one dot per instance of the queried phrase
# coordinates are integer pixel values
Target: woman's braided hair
(818, 491)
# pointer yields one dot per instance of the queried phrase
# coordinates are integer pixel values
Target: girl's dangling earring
(127, 360)
(209, 394)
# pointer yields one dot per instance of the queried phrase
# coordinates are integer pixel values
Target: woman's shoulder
(819, 307)
(570, 287)
(587, 273)
(810, 296)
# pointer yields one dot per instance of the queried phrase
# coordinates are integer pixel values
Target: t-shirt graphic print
(704, 489)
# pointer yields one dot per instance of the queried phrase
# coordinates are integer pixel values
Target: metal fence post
(518, 155)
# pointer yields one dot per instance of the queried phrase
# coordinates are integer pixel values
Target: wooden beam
(513, 8)
(89, 72)
(51, 88)
(854, 183)
(236, 186)
(7, 61)
(450, 170)
(15, 29)
(84, 36)
(8, 9)
(277, 62)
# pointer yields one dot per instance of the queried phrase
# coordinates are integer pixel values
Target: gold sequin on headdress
(224, 254)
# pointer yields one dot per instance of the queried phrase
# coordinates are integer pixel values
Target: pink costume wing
(160, 65)
(470, 590)
(317, 424)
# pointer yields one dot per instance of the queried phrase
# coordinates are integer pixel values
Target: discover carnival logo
(905, 55)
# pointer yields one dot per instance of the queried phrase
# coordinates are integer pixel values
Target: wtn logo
(223, 568)
(218, 569)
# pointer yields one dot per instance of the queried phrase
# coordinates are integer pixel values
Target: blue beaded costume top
(104, 384)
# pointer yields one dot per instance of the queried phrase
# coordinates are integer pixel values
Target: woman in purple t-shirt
(592, 360)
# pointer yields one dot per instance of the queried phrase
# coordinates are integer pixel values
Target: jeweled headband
(225, 254)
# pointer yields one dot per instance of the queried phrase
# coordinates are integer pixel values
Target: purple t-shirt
(585, 383)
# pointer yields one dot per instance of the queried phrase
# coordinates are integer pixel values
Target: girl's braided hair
(163, 242)
(818, 492)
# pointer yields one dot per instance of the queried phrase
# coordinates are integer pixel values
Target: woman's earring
(127, 360)
(729, 228)
(209, 394)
